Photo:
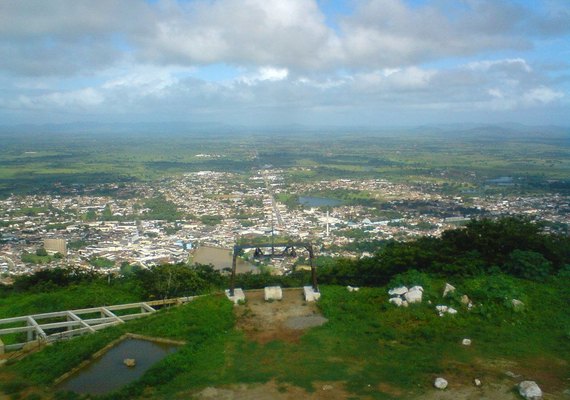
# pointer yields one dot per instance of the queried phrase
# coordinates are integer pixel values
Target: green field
(464, 158)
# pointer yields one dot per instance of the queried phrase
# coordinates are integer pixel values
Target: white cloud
(542, 95)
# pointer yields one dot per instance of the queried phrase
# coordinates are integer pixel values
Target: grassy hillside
(367, 341)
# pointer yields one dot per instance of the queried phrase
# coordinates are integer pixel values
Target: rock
(129, 362)
(448, 289)
(404, 303)
(517, 304)
(512, 374)
(465, 300)
(530, 390)
(440, 383)
(414, 295)
(352, 288)
(477, 382)
(398, 291)
(441, 310)
(397, 301)
(466, 342)
(328, 387)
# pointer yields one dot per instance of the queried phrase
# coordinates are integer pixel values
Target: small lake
(108, 373)
(309, 201)
(221, 259)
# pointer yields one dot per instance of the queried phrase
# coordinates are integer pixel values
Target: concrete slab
(311, 294)
(238, 296)
(273, 293)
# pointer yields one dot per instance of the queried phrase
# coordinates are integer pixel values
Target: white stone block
(273, 293)
(311, 294)
(237, 297)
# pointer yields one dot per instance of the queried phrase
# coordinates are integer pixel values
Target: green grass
(366, 342)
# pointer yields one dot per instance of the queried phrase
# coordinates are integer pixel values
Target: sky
(283, 62)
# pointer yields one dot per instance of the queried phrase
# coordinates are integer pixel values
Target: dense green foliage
(509, 245)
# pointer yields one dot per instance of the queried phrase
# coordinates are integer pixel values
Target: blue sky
(264, 62)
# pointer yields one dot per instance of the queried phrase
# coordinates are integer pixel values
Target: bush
(528, 265)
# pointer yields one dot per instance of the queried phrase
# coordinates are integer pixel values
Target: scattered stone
(414, 295)
(448, 289)
(466, 342)
(530, 390)
(398, 291)
(442, 310)
(477, 382)
(352, 288)
(517, 304)
(397, 301)
(512, 375)
(130, 362)
(273, 293)
(440, 383)
(465, 300)
(328, 387)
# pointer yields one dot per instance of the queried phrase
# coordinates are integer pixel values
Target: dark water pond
(108, 373)
(310, 201)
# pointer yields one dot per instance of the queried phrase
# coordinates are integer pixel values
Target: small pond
(108, 373)
(310, 201)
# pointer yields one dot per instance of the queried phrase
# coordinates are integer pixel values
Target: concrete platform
(238, 296)
(273, 293)
(311, 294)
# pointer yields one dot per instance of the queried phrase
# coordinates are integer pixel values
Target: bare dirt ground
(286, 319)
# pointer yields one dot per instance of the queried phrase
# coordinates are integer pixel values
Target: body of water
(220, 259)
(109, 373)
(310, 201)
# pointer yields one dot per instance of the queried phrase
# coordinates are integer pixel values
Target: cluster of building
(219, 208)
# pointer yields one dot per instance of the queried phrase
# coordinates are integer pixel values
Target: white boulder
(352, 288)
(465, 300)
(441, 310)
(440, 383)
(397, 301)
(414, 295)
(466, 342)
(398, 291)
(517, 304)
(448, 289)
(477, 382)
(530, 390)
